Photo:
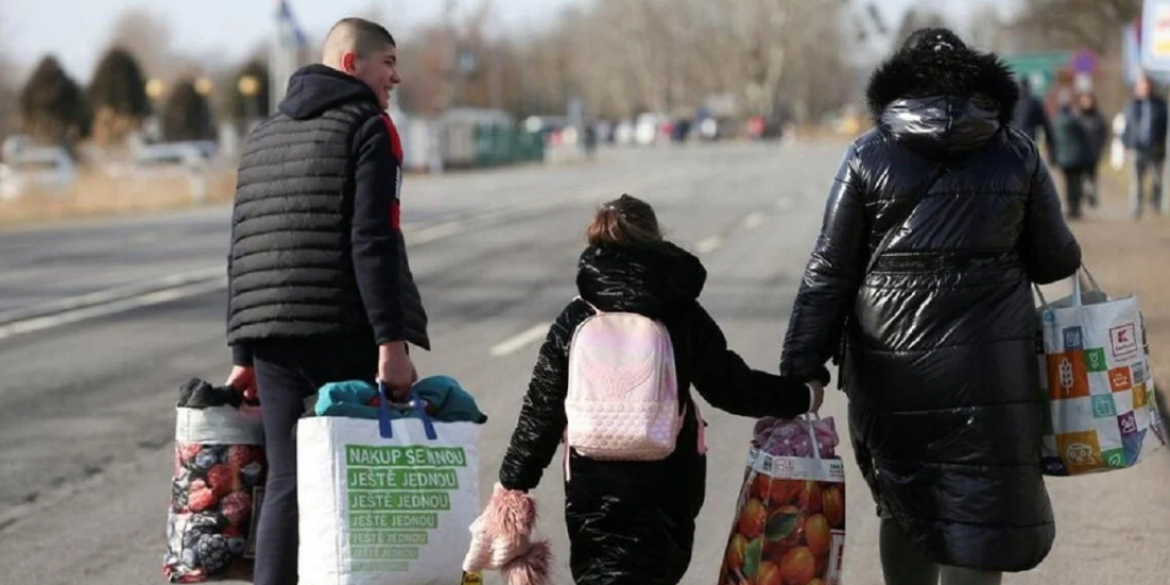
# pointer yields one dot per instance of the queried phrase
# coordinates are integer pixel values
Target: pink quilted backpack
(623, 399)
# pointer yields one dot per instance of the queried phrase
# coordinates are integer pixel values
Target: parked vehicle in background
(709, 130)
(623, 133)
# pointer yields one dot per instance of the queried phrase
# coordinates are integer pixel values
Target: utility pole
(455, 63)
(277, 60)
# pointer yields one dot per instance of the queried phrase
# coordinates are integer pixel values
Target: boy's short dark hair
(367, 36)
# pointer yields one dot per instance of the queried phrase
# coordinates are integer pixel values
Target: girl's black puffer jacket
(633, 522)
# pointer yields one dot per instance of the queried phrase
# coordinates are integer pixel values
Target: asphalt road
(101, 321)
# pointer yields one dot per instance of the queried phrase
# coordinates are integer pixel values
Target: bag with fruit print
(789, 526)
(217, 485)
(1102, 413)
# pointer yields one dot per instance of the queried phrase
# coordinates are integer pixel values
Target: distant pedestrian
(1031, 118)
(1097, 129)
(1145, 133)
(1078, 150)
(590, 141)
(959, 217)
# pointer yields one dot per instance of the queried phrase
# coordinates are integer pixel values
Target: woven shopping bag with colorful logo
(1095, 371)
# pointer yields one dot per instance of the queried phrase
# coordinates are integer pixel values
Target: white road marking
(521, 340)
(112, 308)
(111, 294)
(753, 221)
(433, 233)
(147, 238)
(709, 245)
(128, 297)
(169, 288)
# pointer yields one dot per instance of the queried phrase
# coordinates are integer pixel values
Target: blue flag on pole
(289, 24)
(287, 42)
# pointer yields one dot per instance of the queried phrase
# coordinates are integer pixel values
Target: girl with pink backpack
(613, 381)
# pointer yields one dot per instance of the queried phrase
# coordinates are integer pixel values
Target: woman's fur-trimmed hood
(939, 64)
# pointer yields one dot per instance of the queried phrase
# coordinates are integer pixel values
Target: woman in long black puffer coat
(633, 523)
(940, 364)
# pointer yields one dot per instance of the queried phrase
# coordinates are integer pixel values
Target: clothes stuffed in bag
(794, 438)
(446, 400)
(198, 393)
(216, 487)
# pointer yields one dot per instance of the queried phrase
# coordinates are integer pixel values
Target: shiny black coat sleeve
(726, 382)
(1048, 248)
(542, 416)
(831, 278)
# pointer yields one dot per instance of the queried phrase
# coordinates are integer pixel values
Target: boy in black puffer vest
(319, 285)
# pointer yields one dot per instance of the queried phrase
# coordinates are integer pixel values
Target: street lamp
(249, 86)
(204, 86)
(154, 88)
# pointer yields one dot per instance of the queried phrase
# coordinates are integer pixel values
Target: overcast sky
(77, 31)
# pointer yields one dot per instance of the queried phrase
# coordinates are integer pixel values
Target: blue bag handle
(384, 427)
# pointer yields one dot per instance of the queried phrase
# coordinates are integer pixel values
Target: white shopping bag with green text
(385, 505)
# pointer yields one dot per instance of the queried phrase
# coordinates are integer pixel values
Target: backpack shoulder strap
(589, 304)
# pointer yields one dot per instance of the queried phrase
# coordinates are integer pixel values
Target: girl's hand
(818, 396)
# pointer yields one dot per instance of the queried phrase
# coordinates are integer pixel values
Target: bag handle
(1078, 301)
(1077, 291)
(1092, 280)
(812, 432)
(384, 427)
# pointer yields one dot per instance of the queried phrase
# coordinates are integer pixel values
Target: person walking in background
(1145, 139)
(1031, 118)
(319, 287)
(1075, 152)
(1097, 133)
(937, 225)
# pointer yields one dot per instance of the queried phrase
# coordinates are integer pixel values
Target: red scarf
(396, 150)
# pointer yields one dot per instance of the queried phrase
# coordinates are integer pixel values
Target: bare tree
(247, 107)
(53, 107)
(7, 97)
(779, 54)
(625, 57)
(918, 17)
(148, 37)
(117, 95)
(1069, 25)
(817, 81)
(988, 30)
(7, 91)
(187, 115)
(1079, 23)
